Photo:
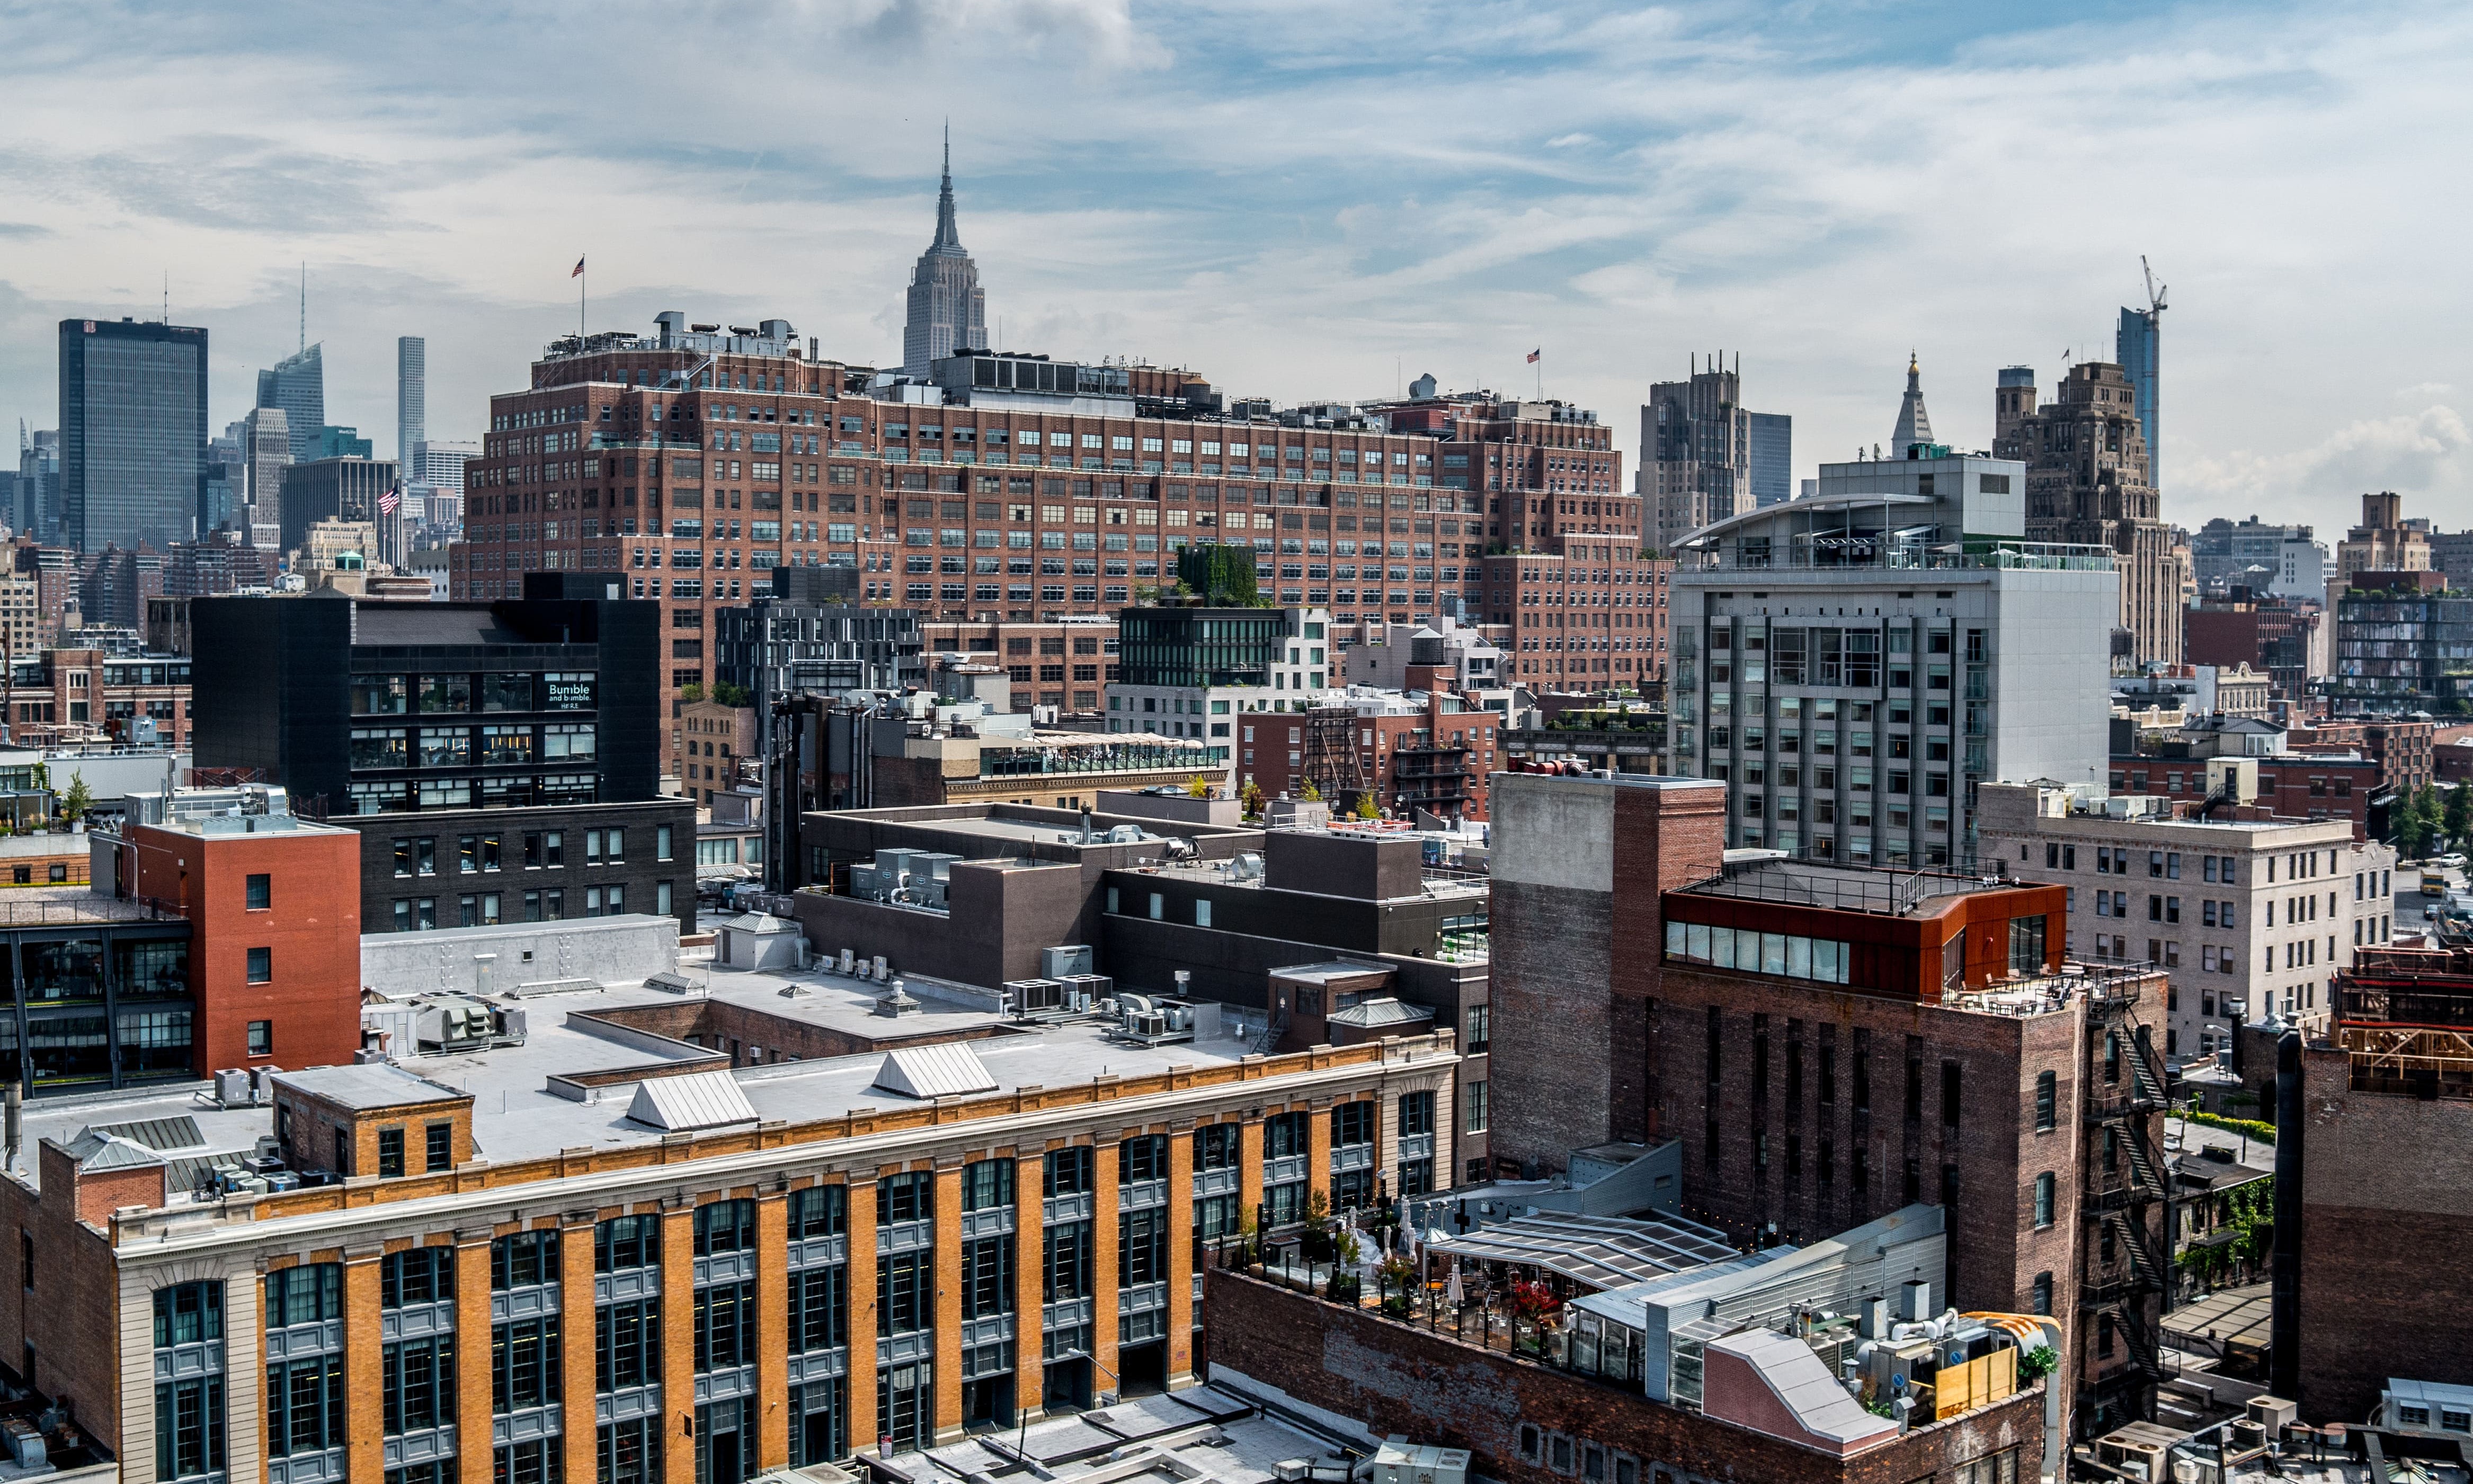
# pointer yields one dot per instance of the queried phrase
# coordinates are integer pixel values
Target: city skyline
(1556, 206)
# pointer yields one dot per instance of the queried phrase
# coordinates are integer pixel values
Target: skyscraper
(2087, 486)
(266, 449)
(1772, 458)
(948, 311)
(132, 432)
(2137, 344)
(297, 385)
(411, 397)
(1694, 452)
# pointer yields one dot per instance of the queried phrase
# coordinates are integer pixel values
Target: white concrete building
(2248, 914)
(1853, 664)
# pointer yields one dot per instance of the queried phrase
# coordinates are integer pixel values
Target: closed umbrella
(1452, 1291)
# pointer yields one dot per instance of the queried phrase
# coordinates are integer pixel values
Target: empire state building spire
(947, 311)
(947, 236)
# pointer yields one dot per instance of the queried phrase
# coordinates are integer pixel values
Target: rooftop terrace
(1876, 889)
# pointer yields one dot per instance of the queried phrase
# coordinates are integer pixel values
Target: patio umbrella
(1452, 1292)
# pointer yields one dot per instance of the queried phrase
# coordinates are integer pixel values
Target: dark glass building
(1199, 647)
(512, 746)
(132, 432)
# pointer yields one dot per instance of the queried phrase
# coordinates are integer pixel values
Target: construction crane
(2154, 290)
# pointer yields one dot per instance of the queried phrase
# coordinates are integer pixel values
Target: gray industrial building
(1854, 663)
(812, 636)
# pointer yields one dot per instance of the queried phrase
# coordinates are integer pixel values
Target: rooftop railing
(1876, 889)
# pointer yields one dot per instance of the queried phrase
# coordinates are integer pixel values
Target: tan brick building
(637, 1244)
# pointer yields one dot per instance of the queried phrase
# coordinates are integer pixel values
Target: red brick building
(2403, 749)
(687, 464)
(276, 903)
(1590, 615)
(72, 693)
(1066, 664)
(1426, 748)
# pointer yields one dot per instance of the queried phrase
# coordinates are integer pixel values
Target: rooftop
(1202, 1436)
(370, 1085)
(569, 1084)
(1877, 889)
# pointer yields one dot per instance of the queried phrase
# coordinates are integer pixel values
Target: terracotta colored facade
(309, 1001)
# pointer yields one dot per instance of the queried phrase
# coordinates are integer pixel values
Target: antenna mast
(304, 304)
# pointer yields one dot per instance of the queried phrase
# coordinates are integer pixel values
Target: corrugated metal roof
(180, 1132)
(95, 1151)
(945, 1071)
(697, 1100)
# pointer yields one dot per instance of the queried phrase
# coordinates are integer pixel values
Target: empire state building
(948, 311)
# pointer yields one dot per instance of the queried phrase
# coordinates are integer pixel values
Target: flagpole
(583, 286)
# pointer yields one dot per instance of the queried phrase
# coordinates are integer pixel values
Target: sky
(1307, 201)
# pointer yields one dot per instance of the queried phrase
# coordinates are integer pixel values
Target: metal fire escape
(2125, 1266)
(1331, 763)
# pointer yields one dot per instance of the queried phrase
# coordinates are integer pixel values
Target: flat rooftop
(1877, 889)
(517, 1114)
(41, 906)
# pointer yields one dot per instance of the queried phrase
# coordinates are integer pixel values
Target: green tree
(1308, 793)
(1366, 807)
(691, 692)
(1252, 797)
(2458, 816)
(1197, 787)
(78, 800)
(2417, 823)
(1220, 575)
(728, 694)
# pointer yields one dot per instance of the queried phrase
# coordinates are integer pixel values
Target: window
(627, 1343)
(261, 1037)
(1416, 1115)
(261, 892)
(1473, 1097)
(440, 1151)
(261, 966)
(524, 1259)
(820, 1211)
(2044, 1187)
(1069, 1171)
(390, 1154)
(2046, 1101)
(906, 1197)
(725, 1225)
(905, 1294)
(625, 1242)
(2043, 1293)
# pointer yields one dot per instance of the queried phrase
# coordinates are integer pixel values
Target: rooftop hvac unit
(1093, 988)
(1059, 962)
(1246, 866)
(1036, 996)
(261, 1084)
(1146, 1023)
(233, 1086)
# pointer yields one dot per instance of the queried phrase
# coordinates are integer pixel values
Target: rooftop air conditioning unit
(233, 1086)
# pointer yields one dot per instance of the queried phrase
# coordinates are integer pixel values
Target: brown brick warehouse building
(689, 464)
(1896, 1037)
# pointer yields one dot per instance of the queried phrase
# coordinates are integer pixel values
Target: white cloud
(1295, 199)
(2425, 453)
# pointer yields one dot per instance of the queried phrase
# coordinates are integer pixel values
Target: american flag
(578, 269)
(391, 500)
(1535, 355)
